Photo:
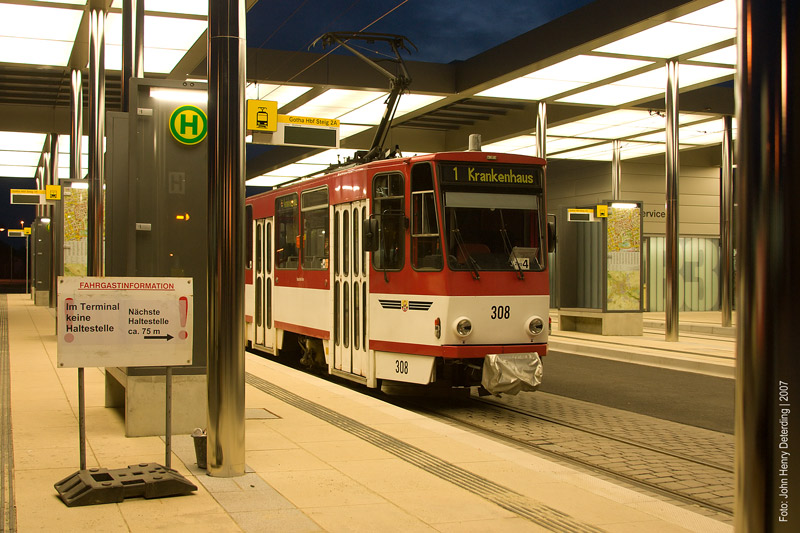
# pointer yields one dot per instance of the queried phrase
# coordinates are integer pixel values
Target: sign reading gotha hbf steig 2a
(108, 322)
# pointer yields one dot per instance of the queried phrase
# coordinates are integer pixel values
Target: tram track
(676, 474)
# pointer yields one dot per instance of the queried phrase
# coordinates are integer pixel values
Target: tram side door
(350, 289)
(265, 331)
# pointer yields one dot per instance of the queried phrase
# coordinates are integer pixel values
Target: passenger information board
(107, 322)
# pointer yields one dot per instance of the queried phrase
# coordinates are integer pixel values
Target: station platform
(321, 457)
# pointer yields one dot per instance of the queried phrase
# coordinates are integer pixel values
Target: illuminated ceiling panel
(24, 142)
(186, 7)
(283, 94)
(600, 152)
(670, 39)
(17, 172)
(37, 35)
(334, 103)
(618, 124)
(348, 130)
(511, 145)
(646, 85)
(166, 40)
(723, 56)
(267, 181)
(565, 76)
(372, 112)
(21, 159)
(721, 14)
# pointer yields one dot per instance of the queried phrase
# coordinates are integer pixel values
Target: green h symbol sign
(188, 124)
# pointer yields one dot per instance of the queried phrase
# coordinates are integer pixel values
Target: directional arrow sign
(124, 321)
(165, 337)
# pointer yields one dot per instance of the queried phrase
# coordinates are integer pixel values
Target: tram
(425, 269)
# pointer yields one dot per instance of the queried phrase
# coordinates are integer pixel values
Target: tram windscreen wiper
(473, 265)
(509, 249)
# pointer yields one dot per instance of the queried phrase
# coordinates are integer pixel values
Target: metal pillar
(132, 45)
(616, 170)
(57, 225)
(97, 130)
(226, 250)
(768, 229)
(673, 174)
(541, 130)
(726, 221)
(76, 123)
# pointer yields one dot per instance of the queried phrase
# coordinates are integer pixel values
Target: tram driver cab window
(426, 248)
(388, 206)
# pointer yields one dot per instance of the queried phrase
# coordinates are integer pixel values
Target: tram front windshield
(493, 216)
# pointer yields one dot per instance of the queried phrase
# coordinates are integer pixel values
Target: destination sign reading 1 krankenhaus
(488, 174)
(108, 322)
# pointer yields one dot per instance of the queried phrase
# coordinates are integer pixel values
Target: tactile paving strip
(508, 499)
(8, 522)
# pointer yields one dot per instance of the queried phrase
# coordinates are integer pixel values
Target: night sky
(443, 30)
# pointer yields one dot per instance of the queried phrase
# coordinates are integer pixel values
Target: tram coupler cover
(511, 373)
(100, 485)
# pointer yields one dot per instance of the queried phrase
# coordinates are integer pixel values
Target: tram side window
(316, 245)
(426, 249)
(248, 214)
(388, 206)
(286, 232)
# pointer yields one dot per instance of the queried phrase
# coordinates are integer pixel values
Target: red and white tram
(410, 269)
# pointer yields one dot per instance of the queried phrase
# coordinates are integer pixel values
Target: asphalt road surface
(683, 397)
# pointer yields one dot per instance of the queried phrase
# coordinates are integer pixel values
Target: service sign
(108, 322)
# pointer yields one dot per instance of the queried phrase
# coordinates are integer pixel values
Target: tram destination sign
(108, 322)
(490, 174)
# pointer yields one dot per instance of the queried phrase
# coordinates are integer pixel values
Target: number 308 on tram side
(425, 269)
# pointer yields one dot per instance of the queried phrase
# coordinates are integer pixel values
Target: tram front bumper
(511, 373)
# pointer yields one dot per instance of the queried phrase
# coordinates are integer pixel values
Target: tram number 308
(401, 367)
(501, 312)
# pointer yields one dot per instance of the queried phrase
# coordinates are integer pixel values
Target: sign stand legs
(168, 433)
(82, 417)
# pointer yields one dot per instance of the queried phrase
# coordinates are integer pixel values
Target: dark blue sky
(442, 30)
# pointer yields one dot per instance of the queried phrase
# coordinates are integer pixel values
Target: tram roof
(600, 68)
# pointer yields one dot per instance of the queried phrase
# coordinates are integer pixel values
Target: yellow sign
(262, 115)
(27, 230)
(16, 233)
(591, 211)
(27, 191)
(602, 211)
(188, 124)
(309, 121)
(54, 192)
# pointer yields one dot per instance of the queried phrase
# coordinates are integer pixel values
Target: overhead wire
(396, 7)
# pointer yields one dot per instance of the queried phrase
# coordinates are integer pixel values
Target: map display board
(76, 210)
(624, 252)
(108, 322)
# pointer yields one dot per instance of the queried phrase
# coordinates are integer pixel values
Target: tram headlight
(534, 326)
(463, 327)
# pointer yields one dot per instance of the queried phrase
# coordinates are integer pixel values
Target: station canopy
(601, 70)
